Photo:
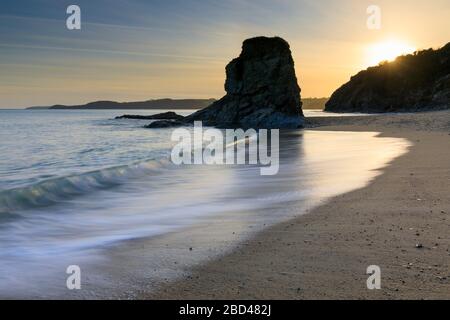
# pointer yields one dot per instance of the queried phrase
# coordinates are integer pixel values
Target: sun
(387, 51)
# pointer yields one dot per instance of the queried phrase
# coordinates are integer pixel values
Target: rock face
(262, 89)
(419, 82)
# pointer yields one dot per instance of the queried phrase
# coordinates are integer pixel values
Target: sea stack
(262, 89)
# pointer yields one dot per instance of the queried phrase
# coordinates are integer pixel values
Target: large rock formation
(262, 90)
(418, 82)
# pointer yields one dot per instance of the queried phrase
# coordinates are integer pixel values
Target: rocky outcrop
(160, 116)
(418, 82)
(262, 90)
(165, 124)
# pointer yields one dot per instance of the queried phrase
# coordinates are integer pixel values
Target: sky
(130, 50)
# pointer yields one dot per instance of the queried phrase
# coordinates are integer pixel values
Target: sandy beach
(225, 151)
(399, 222)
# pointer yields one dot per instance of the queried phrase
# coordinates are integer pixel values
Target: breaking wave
(56, 190)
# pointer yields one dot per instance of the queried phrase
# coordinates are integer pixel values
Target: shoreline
(324, 254)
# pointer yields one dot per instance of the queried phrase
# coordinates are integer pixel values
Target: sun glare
(387, 51)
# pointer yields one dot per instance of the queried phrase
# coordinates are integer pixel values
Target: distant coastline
(314, 103)
(173, 104)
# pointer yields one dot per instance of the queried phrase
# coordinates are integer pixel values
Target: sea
(79, 187)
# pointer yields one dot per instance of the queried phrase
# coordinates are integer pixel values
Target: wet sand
(324, 254)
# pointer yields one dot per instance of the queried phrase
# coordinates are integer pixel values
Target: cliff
(417, 82)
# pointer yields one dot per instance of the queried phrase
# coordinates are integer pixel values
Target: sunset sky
(131, 50)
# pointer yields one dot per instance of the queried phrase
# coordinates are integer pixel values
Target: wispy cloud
(132, 49)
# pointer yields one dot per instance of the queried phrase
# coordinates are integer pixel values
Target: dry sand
(324, 254)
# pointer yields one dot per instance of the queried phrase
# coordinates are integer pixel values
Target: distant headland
(175, 104)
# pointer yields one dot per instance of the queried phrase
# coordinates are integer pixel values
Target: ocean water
(77, 186)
